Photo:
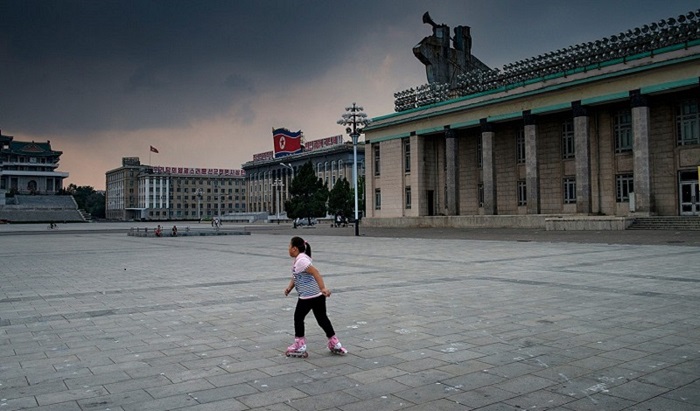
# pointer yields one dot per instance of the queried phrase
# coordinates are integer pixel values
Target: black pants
(318, 306)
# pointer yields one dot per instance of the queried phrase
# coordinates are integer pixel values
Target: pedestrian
(174, 231)
(312, 297)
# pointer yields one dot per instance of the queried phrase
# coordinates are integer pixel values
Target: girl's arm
(289, 288)
(319, 280)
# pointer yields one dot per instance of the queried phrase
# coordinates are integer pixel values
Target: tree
(341, 199)
(308, 195)
(87, 199)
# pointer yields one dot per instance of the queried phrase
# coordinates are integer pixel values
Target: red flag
(153, 149)
(286, 142)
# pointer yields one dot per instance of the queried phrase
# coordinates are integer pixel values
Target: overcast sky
(206, 81)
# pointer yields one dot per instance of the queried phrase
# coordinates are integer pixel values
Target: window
(688, 123)
(479, 152)
(377, 199)
(622, 129)
(407, 156)
(407, 195)
(624, 185)
(377, 170)
(520, 146)
(568, 146)
(481, 195)
(522, 193)
(569, 190)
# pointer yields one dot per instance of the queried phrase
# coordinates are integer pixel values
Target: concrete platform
(434, 320)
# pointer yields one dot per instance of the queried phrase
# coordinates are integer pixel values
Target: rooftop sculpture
(455, 72)
(444, 63)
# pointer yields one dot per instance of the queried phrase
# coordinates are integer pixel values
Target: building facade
(268, 178)
(609, 128)
(28, 167)
(143, 192)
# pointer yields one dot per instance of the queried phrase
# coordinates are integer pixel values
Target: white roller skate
(335, 346)
(298, 349)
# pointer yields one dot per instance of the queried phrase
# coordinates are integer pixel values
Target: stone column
(452, 170)
(488, 167)
(532, 174)
(640, 133)
(582, 141)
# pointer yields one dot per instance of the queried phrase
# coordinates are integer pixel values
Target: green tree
(341, 199)
(308, 195)
(88, 199)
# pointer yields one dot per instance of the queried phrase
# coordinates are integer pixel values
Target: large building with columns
(607, 128)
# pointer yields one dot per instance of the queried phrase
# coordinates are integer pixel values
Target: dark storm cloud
(89, 66)
(84, 65)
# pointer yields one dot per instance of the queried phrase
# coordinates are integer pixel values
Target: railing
(649, 38)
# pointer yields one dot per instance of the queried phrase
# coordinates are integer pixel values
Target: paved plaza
(91, 319)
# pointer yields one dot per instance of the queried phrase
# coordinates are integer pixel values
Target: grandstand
(41, 209)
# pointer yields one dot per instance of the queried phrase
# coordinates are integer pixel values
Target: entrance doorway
(431, 203)
(689, 193)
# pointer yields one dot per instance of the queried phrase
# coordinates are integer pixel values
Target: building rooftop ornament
(444, 63)
(469, 76)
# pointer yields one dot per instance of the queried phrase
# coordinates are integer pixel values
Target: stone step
(666, 223)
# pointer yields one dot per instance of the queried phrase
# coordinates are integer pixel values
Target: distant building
(29, 167)
(268, 178)
(142, 192)
(606, 128)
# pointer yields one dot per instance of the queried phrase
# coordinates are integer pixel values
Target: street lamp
(280, 184)
(354, 120)
(289, 166)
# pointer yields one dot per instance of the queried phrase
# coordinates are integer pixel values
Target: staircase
(85, 215)
(671, 223)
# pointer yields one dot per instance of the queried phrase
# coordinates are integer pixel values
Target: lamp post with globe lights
(354, 121)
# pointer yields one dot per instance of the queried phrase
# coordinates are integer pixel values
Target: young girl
(312, 297)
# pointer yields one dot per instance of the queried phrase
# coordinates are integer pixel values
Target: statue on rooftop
(444, 63)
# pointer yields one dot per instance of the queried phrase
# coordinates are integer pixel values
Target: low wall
(547, 222)
(471, 221)
(184, 231)
(590, 223)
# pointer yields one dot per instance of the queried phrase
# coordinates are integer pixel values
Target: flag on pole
(286, 142)
(154, 150)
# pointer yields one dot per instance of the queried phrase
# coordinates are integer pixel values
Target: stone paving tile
(271, 397)
(223, 393)
(384, 402)
(163, 404)
(598, 402)
(326, 401)
(70, 395)
(573, 322)
(19, 403)
(538, 400)
(115, 400)
(689, 393)
(662, 403)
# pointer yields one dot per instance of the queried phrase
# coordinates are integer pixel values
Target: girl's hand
(287, 291)
(326, 292)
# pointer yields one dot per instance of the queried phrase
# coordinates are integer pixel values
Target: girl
(312, 297)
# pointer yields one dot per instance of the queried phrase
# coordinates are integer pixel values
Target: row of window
(624, 185)
(687, 126)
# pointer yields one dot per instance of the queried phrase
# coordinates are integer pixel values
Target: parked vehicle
(301, 222)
